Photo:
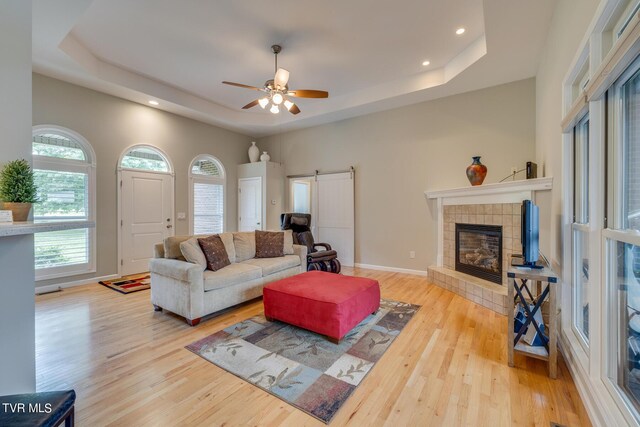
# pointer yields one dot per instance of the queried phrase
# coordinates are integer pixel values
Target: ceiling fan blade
(282, 78)
(250, 105)
(294, 109)
(305, 93)
(241, 85)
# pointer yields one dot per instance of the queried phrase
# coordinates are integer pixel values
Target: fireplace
(479, 251)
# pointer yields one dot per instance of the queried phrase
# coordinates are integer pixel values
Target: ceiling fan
(277, 91)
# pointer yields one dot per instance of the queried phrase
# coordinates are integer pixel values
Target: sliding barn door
(335, 216)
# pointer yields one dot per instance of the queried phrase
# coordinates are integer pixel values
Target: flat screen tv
(530, 233)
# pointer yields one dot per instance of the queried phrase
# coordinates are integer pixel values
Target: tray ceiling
(367, 53)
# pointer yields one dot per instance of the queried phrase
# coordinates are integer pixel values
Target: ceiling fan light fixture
(277, 90)
(277, 98)
(288, 104)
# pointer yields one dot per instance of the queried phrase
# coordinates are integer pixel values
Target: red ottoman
(326, 303)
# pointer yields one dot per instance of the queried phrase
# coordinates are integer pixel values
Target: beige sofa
(189, 290)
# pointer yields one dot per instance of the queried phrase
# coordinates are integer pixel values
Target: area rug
(301, 367)
(129, 284)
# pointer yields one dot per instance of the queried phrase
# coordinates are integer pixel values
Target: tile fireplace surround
(491, 204)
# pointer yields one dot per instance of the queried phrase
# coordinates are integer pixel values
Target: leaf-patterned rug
(301, 367)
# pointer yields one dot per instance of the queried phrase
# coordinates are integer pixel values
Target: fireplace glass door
(479, 251)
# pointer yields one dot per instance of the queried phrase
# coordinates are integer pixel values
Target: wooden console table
(521, 290)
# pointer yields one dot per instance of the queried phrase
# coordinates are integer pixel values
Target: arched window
(64, 173)
(145, 158)
(206, 195)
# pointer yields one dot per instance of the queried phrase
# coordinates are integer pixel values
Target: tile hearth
(483, 292)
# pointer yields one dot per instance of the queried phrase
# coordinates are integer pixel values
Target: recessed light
(425, 63)
(152, 102)
(460, 31)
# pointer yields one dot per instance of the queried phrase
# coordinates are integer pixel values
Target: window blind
(208, 208)
(63, 196)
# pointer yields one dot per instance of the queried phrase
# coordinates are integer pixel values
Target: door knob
(169, 226)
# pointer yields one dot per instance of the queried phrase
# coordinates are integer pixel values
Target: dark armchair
(325, 259)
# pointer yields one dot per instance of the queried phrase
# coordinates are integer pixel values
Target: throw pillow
(245, 245)
(172, 247)
(269, 244)
(214, 252)
(288, 242)
(192, 252)
(227, 239)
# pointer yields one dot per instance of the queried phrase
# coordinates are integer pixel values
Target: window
(623, 241)
(580, 227)
(145, 158)
(207, 193)
(64, 175)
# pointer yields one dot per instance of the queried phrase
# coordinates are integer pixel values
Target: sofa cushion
(172, 247)
(274, 265)
(245, 245)
(288, 242)
(269, 244)
(227, 239)
(214, 252)
(230, 275)
(192, 252)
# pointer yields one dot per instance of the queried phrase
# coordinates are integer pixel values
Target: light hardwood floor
(448, 367)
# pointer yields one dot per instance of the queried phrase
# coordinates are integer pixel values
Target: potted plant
(17, 189)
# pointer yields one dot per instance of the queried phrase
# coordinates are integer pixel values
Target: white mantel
(504, 192)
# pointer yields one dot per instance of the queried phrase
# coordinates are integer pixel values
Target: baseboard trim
(596, 398)
(579, 378)
(392, 269)
(52, 288)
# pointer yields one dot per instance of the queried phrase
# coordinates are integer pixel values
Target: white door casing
(146, 217)
(250, 204)
(334, 208)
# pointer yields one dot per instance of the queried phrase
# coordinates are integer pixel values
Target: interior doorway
(250, 204)
(329, 198)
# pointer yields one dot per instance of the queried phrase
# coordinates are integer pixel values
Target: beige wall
(111, 125)
(569, 25)
(398, 154)
(17, 307)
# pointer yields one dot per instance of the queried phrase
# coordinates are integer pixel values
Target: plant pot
(476, 171)
(20, 210)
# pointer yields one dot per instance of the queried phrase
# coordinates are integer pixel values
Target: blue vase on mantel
(476, 171)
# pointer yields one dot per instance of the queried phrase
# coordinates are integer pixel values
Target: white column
(17, 308)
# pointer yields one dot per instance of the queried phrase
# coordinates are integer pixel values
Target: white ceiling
(366, 53)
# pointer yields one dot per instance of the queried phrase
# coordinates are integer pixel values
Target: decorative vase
(20, 211)
(265, 157)
(254, 152)
(476, 171)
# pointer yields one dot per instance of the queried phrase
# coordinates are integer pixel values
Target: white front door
(249, 204)
(335, 214)
(146, 209)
